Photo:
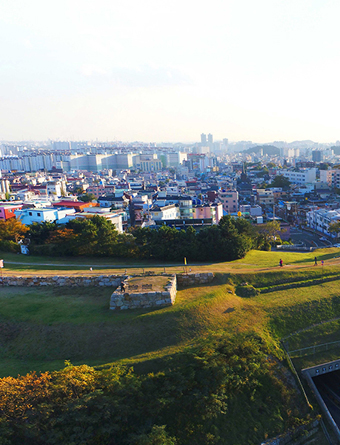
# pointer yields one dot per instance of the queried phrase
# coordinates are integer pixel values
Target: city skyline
(150, 71)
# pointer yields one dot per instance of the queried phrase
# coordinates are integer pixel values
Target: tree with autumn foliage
(195, 399)
(11, 231)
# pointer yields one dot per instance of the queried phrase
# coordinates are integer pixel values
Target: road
(310, 239)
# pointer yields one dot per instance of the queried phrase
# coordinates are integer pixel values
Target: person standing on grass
(281, 263)
(315, 261)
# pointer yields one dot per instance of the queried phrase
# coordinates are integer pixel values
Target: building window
(30, 213)
(39, 214)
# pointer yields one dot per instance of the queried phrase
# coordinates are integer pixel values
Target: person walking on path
(315, 261)
(122, 286)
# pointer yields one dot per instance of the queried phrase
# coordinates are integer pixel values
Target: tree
(334, 227)
(268, 234)
(225, 242)
(12, 230)
(94, 236)
(87, 197)
(39, 232)
(280, 181)
(158, 436)
(323, 166)
(63, 240)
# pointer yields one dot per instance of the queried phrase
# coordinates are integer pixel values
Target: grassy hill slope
(41, 328)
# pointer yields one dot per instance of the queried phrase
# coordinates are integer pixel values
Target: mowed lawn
(40, 328)
(254, 260)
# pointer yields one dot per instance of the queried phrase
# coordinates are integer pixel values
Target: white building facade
(320, 219)
(300, 177)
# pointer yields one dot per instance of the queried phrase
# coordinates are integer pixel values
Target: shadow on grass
(38, 326)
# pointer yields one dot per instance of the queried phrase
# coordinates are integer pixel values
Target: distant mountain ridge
(267, 149)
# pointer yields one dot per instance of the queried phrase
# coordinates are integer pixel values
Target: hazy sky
(168, 70)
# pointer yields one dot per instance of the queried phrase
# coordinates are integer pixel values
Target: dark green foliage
(93, 236)
(231, 239)
(280, 181)
(158, 436)
(39, 232)
(9, 246)
(247, 291)
(196, 400)
(86, 197)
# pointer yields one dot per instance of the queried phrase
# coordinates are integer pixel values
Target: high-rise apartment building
(203, 138)
(317, 156)
(210, 138)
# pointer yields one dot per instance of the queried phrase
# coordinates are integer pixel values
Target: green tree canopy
(268, 234)
(334, 227)
(280, 181)
(86, 197)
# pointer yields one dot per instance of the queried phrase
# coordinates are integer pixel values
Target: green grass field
(254, 260)
(40, 328)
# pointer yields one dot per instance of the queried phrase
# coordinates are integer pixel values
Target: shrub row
(306, 283)
(247, 291)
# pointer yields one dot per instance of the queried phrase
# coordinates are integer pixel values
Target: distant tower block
(203, 138)
(210, 138)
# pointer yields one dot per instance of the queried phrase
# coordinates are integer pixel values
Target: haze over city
(166, 71)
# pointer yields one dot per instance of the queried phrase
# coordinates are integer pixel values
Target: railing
(314, 349)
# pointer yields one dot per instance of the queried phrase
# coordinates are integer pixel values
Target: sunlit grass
(42, 327)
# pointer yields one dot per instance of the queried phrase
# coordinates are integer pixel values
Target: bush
(44, 249)
(9, 246)
(247, 291)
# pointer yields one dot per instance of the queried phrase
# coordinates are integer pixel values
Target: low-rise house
(96, 190)
(119, 202)
(7, 211)
(265, 197)
(300, 177)
(164, 213)
(79, 206)
(229, 200)
(184, 203)
(116, 217)
(206, 211)
(252, 211)
(320, 219)
(29, 216)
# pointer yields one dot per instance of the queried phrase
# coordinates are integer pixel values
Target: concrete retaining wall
(191, 279)
(71, 281)
(138, 300)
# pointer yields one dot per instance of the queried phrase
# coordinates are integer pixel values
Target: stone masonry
(119, 301)
(192, 279)
(141, 300)
(71, 281)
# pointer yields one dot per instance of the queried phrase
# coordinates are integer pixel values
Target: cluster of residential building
(178, 185)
